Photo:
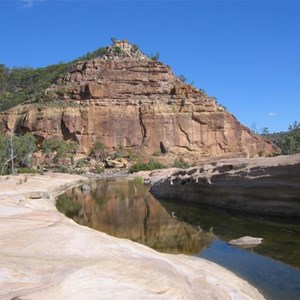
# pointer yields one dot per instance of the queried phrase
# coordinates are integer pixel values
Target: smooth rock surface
(246, 241)
(44, 255)
(257, 185)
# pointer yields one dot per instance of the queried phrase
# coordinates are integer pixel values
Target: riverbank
(269, 186)
(45, 255)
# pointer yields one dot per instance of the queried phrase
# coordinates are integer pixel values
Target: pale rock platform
(45, 255)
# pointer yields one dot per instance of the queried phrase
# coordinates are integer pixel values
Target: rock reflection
(281, 235)
(127, 210)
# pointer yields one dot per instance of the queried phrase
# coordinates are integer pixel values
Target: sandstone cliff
(124, 98)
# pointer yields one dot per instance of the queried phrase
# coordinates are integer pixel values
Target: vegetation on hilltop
(27, 85)
(20, 85)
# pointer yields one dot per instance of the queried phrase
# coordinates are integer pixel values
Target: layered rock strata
(258, 185)
(125, 99)
(45, 255)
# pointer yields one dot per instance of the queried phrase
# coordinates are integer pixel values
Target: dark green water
(127, 210)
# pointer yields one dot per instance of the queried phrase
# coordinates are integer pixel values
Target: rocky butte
(124, 98)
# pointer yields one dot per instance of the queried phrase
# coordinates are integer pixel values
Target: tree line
(27, 85)
(16, 152)
(288, 142)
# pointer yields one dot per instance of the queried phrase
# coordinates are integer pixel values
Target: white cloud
(272, 114)
(28, 3)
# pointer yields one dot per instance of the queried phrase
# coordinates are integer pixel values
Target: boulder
(85, 187)
(246, 242)
(110, 163)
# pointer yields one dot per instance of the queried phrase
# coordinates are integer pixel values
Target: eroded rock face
(131, 101)
(258, 185)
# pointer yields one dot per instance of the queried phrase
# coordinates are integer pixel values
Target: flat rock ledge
(268, 186)
(45, 255)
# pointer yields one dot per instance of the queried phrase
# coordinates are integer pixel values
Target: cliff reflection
(127, 210)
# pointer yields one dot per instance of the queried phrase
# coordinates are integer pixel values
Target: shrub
(63, 169)
(155, 57)
(116, 155)
(99, 151)
(63, 148)
(156, 153)
(81, 163)
(132, 154)
(66, 149)
(27, 170)
(99, 169)
(117, 50)
(50, 145)
(138, 180)
(135, 48)
(151, 165)
(181, 164)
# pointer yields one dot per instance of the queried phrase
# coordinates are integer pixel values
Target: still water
(126, 209)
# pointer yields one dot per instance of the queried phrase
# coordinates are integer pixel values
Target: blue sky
(245, 53)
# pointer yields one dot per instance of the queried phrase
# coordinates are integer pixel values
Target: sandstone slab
(256, 185)
(44, 255)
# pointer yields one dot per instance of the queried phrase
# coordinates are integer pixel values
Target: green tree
(264, 131)
(50, 145)
(63, 148)
(24, 146)
(291, 144)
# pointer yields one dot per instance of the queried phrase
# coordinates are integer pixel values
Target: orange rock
(132, 101)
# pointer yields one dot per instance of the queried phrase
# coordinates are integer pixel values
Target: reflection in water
(127, 210)
(281, 236)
